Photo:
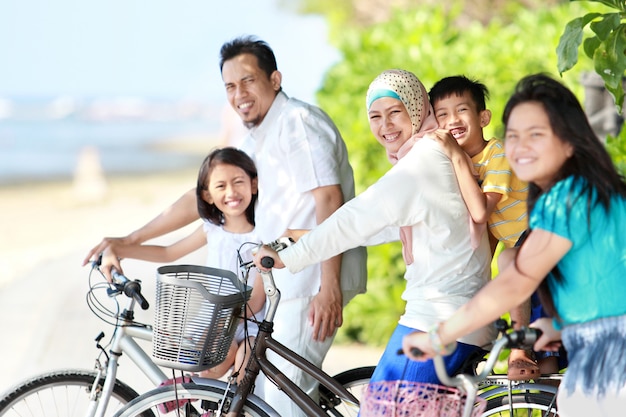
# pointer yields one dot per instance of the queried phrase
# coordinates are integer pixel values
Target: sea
(39, 149)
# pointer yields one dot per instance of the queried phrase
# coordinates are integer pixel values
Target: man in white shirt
(304, 176)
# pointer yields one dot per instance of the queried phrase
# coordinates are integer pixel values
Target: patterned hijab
(406, 87)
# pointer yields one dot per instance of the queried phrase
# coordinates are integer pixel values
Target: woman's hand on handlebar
(266, 251)
(417, 346)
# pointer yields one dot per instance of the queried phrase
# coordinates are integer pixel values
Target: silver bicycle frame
(124, 341)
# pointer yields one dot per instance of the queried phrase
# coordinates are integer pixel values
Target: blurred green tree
(429, 41)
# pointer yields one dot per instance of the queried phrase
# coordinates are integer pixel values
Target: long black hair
(590, 161)
(229, 156)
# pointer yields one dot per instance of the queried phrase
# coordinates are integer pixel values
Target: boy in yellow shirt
(492, 192)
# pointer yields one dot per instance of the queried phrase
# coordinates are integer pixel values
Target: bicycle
(98, 392)
(468, 394)
(91, 393)
(209, 397)
(503, 397)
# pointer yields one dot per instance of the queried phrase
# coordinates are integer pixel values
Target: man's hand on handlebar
(103, 245)
(266, 251)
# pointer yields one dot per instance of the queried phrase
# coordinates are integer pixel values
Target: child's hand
(550, 340)
(450, 146)
(266, 251)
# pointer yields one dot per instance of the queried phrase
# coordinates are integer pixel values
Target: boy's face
(460, 116)
(390, 123)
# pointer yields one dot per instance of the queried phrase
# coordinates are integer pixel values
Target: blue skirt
(597, 364)
(395, 367)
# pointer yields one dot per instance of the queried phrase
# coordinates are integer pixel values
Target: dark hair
(250, 45)
(590, 160)
(458, 85)
(229, 156)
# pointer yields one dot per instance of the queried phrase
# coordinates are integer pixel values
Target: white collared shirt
(297, 148)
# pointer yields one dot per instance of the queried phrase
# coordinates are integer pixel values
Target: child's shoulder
(495, 143)
(493, 147)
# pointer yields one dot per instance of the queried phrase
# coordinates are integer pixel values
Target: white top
(222, 247)
(421, 191)
(297, 149)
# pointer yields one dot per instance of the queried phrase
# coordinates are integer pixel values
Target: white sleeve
(399, 198)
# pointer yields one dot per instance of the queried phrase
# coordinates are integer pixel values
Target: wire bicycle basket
(196, 315)
(414, 399)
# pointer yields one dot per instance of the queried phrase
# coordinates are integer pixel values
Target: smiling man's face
(249, 89)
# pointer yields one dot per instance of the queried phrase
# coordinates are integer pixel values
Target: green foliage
(616, 146)
(371, 318)
(426, 41)
(606, 46)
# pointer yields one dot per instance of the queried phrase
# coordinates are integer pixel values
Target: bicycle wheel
(194, 401)
(59, 394)
(522, 404)
(355, 381)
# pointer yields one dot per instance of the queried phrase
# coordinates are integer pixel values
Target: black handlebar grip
(133, 289)
(267, 262)
(538, 334)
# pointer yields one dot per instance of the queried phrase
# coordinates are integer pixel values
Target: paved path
(47, 325)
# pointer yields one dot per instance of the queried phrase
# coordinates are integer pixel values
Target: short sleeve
(563, 210)
(313, 147)
(498, 175)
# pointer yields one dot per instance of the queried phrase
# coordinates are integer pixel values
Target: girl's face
(535, 153)
(230, 188)
(390, 123)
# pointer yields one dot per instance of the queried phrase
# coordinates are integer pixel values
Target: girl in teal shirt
(575, 253)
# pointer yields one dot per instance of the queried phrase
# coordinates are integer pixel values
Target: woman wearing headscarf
(420, 197)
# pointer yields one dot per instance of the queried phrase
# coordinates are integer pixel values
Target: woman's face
(390, 123)
(535, 153)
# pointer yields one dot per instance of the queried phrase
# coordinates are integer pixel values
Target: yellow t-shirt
(509, 218)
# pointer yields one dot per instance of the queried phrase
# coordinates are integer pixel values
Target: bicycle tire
(354, 380)
(200, 400)
(523, 404)
(62, 393)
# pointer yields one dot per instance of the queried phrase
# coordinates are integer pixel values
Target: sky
(149, 48)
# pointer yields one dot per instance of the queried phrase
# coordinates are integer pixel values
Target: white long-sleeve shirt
(420, 191)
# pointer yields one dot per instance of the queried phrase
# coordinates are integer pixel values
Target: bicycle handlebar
(122, 284)
(130, 288)
(523, 338)
(268, 262)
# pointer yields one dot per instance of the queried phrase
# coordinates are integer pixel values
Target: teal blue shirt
(594, 270)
